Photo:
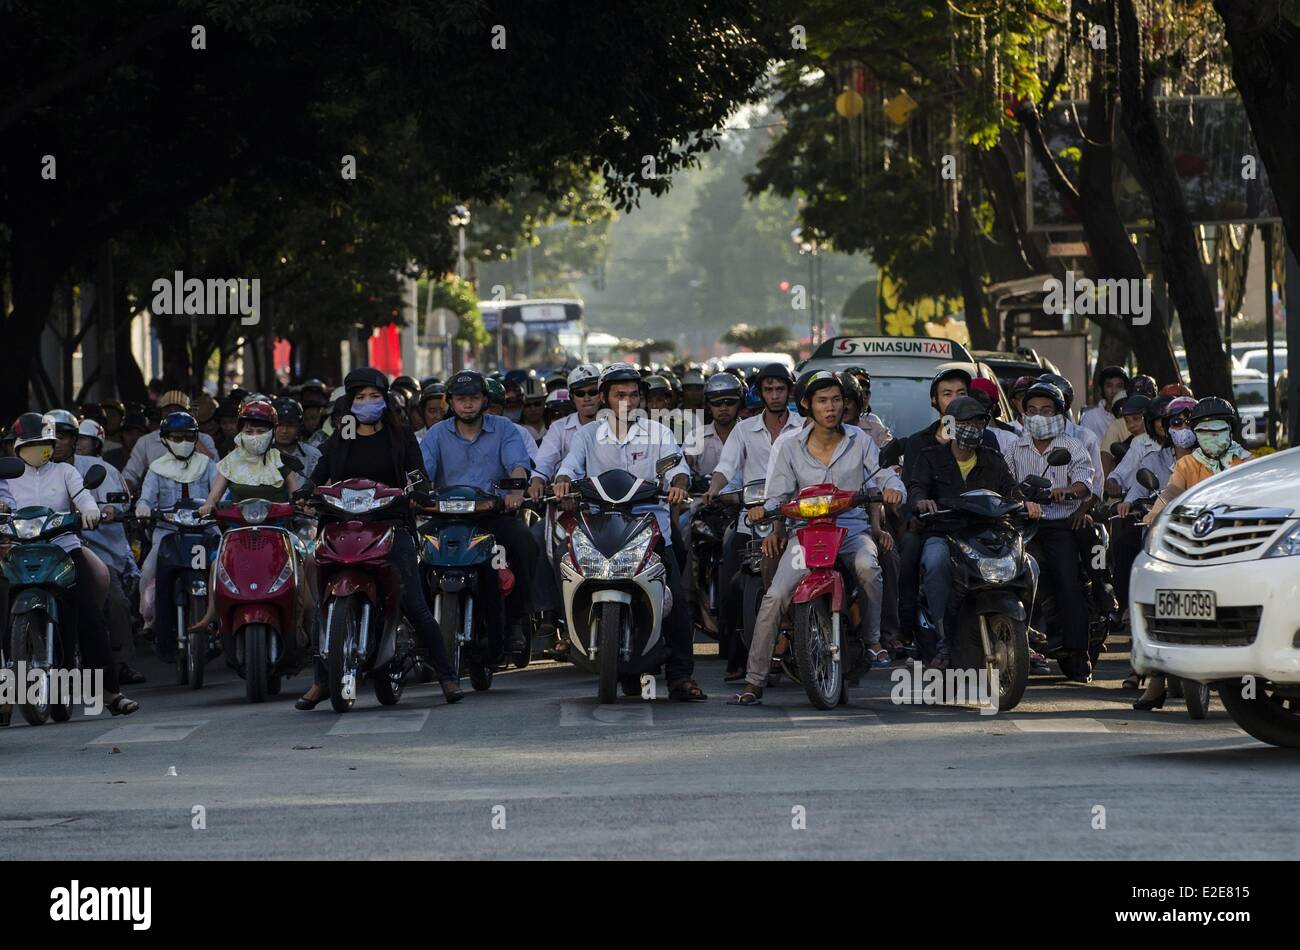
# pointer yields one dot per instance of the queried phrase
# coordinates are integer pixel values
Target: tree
(759, 339)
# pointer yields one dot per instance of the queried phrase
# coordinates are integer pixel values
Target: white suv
(1215, 596)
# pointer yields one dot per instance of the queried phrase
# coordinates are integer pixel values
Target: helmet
(407, 383)
(773, 371)
(1135, 405)
(1111, 372)
(64, 421)
(288, 410)
(952, 372)
(469, 382)
(558, 405)
(315, 385)
(1179, 405)
(204, 407)
(496, 392)
(1175, 389)
(722, 384)
(534, 390)
(985, 387)
(1156, 409)
(432, 389)
(178, 422)
(33, 428)
(1211, 408)
(516, 377)
(258, 411)
(365, 376)
(1021, 384)
(752, 399)
(556, 379)
(851, 388)
(657, 384)
(135, 420)
(814, 380)
(1061, 383)
(692, 377)
(581, 374)
(226, 410)
(967, 408)
(115, 405)
(861, 375)
(1142, 384)
(674, 383)
(618, 373)
(1051, 391)
(174, 397)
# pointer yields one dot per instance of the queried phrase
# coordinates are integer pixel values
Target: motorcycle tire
(343, 634)
(608, 635)
(1013, 676)
(389, 683)
(480, 676)
(27, 640)
(1197, 697)
(182, 661)
(449, 619)
(821, 675)
(197, 647)
(524, 657)
(255, 673)
(630, 683)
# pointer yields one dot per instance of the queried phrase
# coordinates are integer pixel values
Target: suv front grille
(1236, 531)
(1235, 627)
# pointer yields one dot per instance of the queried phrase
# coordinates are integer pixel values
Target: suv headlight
(1156, 533)
(1286, 545)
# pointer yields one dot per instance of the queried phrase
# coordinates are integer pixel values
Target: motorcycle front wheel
(1009, 639)
(821, 671)
(196, 652)
(255, 646)
(342, 663)
(27, 642)
(608, 634)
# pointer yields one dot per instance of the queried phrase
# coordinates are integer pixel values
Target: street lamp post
(812, 248)
(459, 218)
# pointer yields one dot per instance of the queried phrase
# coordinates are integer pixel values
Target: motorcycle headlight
(255, 510)
(224, 578)
(997, 570)
(456, 506)
(285, 573)
(589, 560)
(1287, 545)
(355, 501)
(626, 561)
(816, 507)
(27, 528)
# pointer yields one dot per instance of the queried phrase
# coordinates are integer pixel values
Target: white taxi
(1215, 595)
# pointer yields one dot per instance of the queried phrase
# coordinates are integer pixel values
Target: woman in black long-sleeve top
(385, 451)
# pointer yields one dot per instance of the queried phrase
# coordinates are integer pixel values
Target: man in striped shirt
(1056, 545)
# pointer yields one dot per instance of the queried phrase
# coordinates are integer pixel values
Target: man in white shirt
(1112, 385)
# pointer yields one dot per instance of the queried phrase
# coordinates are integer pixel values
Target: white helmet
(582, 373)
(91, 429)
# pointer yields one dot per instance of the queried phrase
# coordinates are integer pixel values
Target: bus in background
(533, 334)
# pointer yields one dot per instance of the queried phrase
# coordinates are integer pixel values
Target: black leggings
(89, 597)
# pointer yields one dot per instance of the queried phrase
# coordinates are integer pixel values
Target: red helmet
(1175, 389)
(262, 413)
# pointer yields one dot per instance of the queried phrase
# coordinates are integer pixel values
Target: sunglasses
(583, 393)
(1183, 423)
(724, 402)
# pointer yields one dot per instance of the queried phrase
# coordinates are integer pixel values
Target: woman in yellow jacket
(1214, 423)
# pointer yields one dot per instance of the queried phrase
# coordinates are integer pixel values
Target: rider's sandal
(121, 706)
(687, 691)
(451, 691)
(880, 656)
(751, 696)
(304, 704)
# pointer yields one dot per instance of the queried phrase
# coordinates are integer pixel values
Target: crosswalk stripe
(1080, 724)
(807, 717)
(148, 732)
(582, 712)
(393, 720)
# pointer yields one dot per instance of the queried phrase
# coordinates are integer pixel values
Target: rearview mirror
(1036, 482)
(11, 467)
(1117, 450)
(511, 484)
(291, 463)
(891, 454)
(1058, 457)
(667, 464)
(1147, 479)
(94, 477)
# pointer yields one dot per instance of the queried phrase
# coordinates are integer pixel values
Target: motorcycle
(454, 553)
(613, 581)
(187, 551)
(708, 527)
(361, 591)
(755, 570)
(256, 591)
(41, 578)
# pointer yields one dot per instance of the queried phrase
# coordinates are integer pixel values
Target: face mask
(1183, 438)
(254, 444)
(368, 413)
(968, 437)
(1213, 442)
(36, 455)
(1045, 427)
(182, 450)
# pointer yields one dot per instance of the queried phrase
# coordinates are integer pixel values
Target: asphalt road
(562, 777)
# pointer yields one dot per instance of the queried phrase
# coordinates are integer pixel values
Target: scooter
(613, 581)
(364, 634)
(708, 526)
(454, 554)
(755, 570)
(41, 578)
(256, 591)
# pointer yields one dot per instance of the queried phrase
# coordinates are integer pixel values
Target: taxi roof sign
(866, 346)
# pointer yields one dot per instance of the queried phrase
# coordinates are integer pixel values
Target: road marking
(581, 712)
(397, 720)
(148, 732)
(804, 717)
(17, 824)
(1059, 725)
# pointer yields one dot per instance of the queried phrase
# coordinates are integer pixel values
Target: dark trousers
(909, 579)
(1125, 543)
(91, 626)
(679, 636)
(1056, 548)
(889, 567)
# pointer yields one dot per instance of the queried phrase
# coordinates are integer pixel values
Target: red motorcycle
(364, 633)
(820, 605)
(256, 592)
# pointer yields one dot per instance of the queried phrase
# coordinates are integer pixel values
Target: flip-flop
(880, 657)
(747, 698)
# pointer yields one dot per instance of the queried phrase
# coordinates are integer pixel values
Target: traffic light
(784, 286)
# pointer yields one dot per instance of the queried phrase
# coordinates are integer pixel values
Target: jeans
(859, 551)
(936, 579)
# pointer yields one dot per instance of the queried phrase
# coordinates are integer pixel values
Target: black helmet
(407, 384)
(1157, 408)
(849, 384)
(1135, 405)
(814, 380)
(1051, 391)
(861, 375)
(1063, 384)
(619, 373)
(657, 384)
(288, 409)
(773, 371)
(723, 384)
(1211, 408)
(952, 372)
(967, 408)
(364, 376)
(1144, 385)
(1111, 372)
(467, 383)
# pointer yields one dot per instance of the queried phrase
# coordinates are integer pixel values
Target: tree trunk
(983, 336)
(131, 384)
(174, 334)
(34, 278)
(1207, 361)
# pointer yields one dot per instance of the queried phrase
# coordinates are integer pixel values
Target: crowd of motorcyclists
(721, 472)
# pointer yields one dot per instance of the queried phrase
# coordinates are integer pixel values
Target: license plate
(1185, 605)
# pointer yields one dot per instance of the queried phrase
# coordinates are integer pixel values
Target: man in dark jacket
(966, 463)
